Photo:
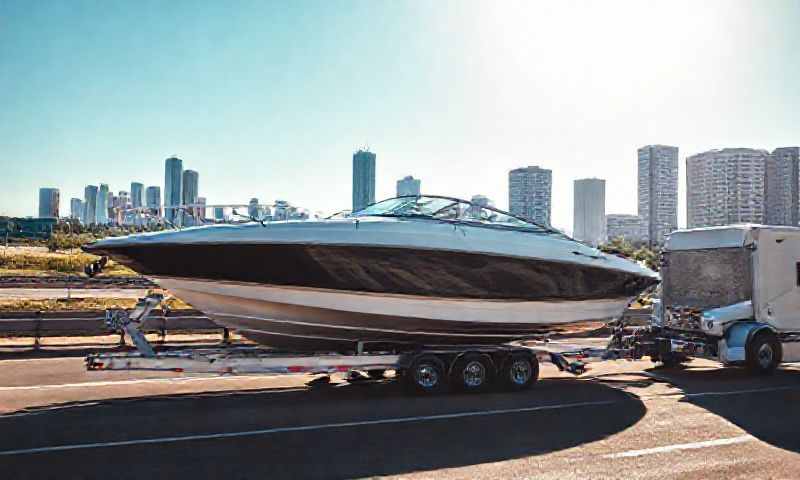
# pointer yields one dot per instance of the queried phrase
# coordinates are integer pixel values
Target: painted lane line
(308, 428)
(682, 446)
(133, 382)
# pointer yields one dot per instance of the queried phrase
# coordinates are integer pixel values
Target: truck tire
(425, 375)
(474, 372)
(764, 353)
(520, 371)
(673, 360)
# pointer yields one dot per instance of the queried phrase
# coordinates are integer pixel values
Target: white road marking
(682, 446)
(127, 382)
(306, 428)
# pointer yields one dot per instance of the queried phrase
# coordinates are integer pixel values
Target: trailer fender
(733, 346)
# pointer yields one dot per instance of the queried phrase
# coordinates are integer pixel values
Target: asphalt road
(620, 420)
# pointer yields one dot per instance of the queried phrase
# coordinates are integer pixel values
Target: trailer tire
(376, 374)
(426, 375)
(520, 371)
(764, 353)
(673, 360)
(473, 372)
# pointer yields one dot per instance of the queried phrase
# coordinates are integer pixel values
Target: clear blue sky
(270, 99)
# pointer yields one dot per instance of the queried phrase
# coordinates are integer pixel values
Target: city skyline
(504, 88)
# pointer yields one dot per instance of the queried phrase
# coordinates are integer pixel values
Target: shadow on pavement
(765, 407)
(318, 452)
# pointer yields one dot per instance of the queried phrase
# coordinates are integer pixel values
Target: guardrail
(75, 281)
(92, 323)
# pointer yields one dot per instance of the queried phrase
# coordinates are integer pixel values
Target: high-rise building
(137, 189)
(363, 179)
(253, 210)
(626, 227)
(529, 193)
(101, 218)
(482, 200)
(201, 209)
(90, 194)
(189, 196)
(589, 219)
(173, 174)
(781, 190)
(76, 209)
(49, 199)
(408, 186)
(658, 190)
(725, 186)
(153, 200)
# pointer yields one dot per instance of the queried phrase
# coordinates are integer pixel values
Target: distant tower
(172, 187)
(252, 208)
(529, 193)
(408, 186)
(482, 200)
(658, 190)
(589, 219)
(137, 189)
(90, 194)
(49, 199)
(190, 184)
(76, 209)
(781, 178)
(102, 205)
(201, 209)
(153, 195)
(725, 186)
(363, 179)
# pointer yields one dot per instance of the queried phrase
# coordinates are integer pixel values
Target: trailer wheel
(376, 374)
(426, 375)
(520, 371)
(473, 372)
(764, 353)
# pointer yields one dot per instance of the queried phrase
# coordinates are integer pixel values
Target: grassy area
(39, 261)
(78, 304)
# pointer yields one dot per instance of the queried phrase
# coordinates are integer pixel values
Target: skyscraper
(363, 179)
(658, 190)
(725, 186)
(153, 200)
(101, 217)
(189, 197)
(76, 209)
(137, 189)
(49, 199)
(589, 219)
(172, 187)
(781, 186)
(408, 186)
(90, 194)
(252, 208)
(529, 193)
(625, 226)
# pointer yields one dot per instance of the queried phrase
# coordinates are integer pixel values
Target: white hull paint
(290, 313)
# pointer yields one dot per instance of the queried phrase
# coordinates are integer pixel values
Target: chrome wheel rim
(427, 376)
(520, 372)
(765, 355)
(474, 374)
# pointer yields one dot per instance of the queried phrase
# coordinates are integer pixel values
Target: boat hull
(298, 318)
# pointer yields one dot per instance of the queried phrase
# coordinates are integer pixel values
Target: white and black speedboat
(412, 270)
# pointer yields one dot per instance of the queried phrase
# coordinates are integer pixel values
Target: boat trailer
(421, 368)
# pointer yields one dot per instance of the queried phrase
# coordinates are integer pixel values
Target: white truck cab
(731, 293)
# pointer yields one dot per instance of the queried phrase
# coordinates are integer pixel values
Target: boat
(411, 270)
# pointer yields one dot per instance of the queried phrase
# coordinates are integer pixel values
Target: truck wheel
(376, 374)
(473, 372)
(672, 360)
(520, 371)
(764, 353)
(426, 375)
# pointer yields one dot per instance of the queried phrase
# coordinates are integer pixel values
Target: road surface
(620, 420)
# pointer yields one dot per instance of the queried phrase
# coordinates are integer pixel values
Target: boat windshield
(450, 209)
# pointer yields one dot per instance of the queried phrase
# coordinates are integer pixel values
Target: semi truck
(730, 294)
